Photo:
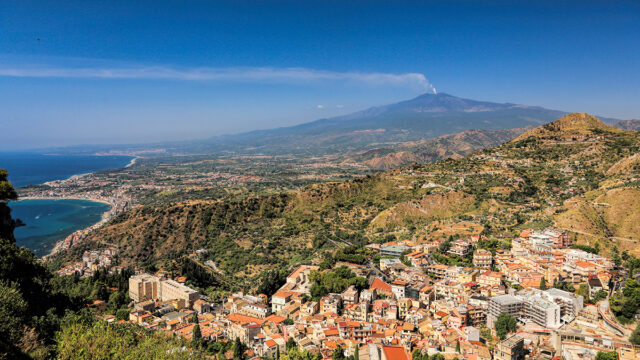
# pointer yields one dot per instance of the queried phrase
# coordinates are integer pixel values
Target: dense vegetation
(334, 282)
(100, 340)
(47, 316)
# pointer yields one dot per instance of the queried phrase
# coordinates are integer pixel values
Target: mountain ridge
(423, 117)
(570, 125)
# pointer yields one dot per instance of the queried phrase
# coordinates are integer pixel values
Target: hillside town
(410, 306)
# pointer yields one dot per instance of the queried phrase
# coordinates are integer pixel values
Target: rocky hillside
(557, 174)
(453, 146)
(633, 124)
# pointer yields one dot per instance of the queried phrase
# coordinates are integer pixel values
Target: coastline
(68, 241)
(132, 162)
(66, 198)
(115, 207)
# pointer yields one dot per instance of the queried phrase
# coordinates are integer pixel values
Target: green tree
(543, 284)
(122, 314)
(338, 354)
(583, 290)
(194, 318)
(291, 343)
(504, 325)
(7, 192)
(599, 295)
(196, 339)
(635, 336)
(458, 346)
(616, 256)
(12, 313)
(238, 349)
(437, 356)
(612, 355)
(417, 354)
(485, 333)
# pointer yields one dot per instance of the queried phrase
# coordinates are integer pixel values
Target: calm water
(48, 221)
(30, 168)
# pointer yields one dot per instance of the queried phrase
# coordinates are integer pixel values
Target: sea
(48, 221)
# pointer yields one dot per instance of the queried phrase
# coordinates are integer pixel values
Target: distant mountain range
(633, 124)
(427, 116)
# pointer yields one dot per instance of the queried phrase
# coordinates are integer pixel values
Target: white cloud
(339, 106)
(320, 106)
(260, 74)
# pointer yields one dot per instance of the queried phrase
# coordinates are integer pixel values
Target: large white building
(548, 308)
(149, 287)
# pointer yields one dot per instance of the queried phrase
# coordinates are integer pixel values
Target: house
(380, 287)
(387, 263)
(460, 248)
(383, 352)
(301, 274)
(309, 308)
(279, 300)
(482, 258)
(509, 349)
(350, 295)
(201, 306)
(398, 288)
(330, 303)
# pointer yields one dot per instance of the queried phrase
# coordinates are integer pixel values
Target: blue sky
(142, 71)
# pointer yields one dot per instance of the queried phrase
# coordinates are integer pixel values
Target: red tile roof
(378, 284)
(243, 319)
(270, 343)
(394, 352)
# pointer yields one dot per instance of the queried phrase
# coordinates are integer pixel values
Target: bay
(49, 221)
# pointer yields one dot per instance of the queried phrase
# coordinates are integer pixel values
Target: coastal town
(544, 298)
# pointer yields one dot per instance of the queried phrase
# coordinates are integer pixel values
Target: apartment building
(509, 349)
(546, 308)
(144, 287)
(393, 250)
(482, 258)
(279, 300)
(149, 287)
(460, 248)
(171, 290)
(509, 304)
